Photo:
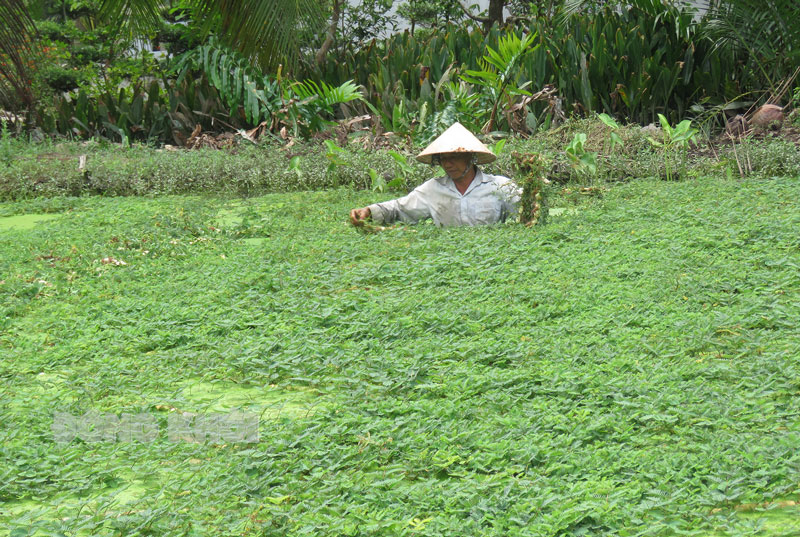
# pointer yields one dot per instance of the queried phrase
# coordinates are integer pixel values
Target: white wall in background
(482, 6)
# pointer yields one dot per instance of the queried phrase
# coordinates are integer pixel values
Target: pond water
(270, 401)
(129, 491)
(24, 221)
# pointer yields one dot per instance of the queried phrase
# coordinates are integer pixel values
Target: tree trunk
(495, 14)
(330, 35)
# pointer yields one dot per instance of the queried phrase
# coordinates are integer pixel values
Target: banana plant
(497, 147)
(379, 184)
(406, 170)
(334, 154)
(377, 181)
(294, 167)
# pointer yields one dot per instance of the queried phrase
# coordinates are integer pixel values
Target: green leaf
(608, 121)
(654, 142)
(377, 181)
(615, 140)
(665, 124)
(395, 183)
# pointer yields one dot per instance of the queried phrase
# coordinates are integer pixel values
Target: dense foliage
(632, 60)
(633, 63)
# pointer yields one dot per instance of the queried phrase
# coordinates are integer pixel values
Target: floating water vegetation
(22, 222)
(628, 369)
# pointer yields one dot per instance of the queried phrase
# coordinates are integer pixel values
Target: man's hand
(359, 216)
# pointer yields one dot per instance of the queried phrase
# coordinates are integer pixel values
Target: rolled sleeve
(410, 209)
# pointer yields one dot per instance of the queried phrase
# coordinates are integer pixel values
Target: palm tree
(265, 31)
(763, 33)
(15, 52)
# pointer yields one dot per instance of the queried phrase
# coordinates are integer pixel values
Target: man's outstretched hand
(359, 216)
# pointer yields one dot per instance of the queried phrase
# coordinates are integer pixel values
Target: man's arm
(410, 209)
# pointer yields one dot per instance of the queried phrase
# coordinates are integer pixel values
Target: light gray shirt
(488, 200)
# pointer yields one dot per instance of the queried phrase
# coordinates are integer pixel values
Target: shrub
(55, 31)
(143, 170)
(60, 78)
(84, 54)
(770, 157)
(178, 38)
(633, 157)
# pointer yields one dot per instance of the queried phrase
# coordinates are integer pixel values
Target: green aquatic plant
(629, 368)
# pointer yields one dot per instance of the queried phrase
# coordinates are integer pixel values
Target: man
(464, 197)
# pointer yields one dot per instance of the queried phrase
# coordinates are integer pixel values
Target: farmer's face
(455, 164)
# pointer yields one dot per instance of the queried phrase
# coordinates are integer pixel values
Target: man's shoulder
(435, 183)
(500, 180)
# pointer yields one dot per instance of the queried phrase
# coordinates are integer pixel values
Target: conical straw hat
(457, 139)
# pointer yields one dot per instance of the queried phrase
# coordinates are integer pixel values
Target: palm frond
(16, 36)
(263, 30)
(763, 32)
(134, 18)
(327, 94)
(238, 82)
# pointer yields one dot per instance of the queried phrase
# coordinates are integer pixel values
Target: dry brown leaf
(112, 261)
